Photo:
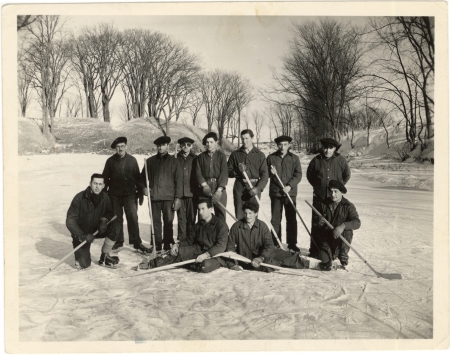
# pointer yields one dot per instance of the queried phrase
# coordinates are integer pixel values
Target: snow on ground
(96, 304)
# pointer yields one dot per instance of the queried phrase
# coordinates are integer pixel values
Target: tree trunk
(239, 128)
(351, 140)
(106, 115)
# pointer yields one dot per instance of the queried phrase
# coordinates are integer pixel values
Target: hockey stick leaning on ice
(54, 266)
(152, 228)
(379, 274)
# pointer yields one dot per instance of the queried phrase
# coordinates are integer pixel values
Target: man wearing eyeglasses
(324, 167)
(186, 213)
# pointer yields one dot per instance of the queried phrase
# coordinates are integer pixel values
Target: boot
(117, 246)
(107, 260)
(293, 248)
(139, 247)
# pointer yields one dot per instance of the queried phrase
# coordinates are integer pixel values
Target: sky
(249, 45)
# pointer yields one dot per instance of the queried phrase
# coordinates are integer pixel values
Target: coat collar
(87, 193)
(243, 224)
(320, 156)
(180, 154)
(212, 221)
(253, 150)
(118, 158)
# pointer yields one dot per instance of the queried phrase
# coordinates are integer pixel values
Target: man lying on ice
(251, 238)
(342, 215)
(90, 210)
(208, 238)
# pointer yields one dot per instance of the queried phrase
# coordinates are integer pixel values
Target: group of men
(194, 186)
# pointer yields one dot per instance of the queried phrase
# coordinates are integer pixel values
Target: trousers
(128, 204)
(240, 196)
(163, 209)
(186, 217)
(315, 242)
(331, 248)
(277, 205)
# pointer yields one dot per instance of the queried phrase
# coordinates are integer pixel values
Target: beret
(337, 185)
(117, 141)
(185, 140)
(283, 139)
(330, 141)
(212, 135)
(162, 140)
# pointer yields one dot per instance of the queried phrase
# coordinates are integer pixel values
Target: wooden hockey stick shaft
(152, 228)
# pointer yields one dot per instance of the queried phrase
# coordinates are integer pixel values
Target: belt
(253, 181)
(212, 179)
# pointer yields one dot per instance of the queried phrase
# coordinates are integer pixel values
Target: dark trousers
(129, 205)
(277, 205)
(219, 211)
(240, 196)
(331, 249)
(315, 241)
(186, 217)
(192, 251)
(164, 209)
(285, 259)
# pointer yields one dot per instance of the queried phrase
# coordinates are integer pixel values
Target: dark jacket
(321, 171)
(250, 243)
(187, 166)
(345, 213)
(164, 177)
(289, 171)
(122, 175)
(212, 237)
(256, 164)
(83, 216)
(214, 167)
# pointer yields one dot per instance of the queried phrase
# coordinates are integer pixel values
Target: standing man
(324, 167)
(166, 188)
(254, 162)
(122, 182)
(212, 174)
(187, 211)
(90, 210)
(208, 238)
(287, 166)
(342, 215)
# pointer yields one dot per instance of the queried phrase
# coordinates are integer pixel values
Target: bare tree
(258, 121)
(195, 105)
(244, 96)
(208, 89)
(25, 79)
(73, 108)
(23, 21)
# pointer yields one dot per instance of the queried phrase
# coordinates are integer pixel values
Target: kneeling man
(90, 210)
(252, 239)
(208, 238)
(342, 215)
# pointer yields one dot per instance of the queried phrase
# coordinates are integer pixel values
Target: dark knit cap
(185, 140)
(283, 139)
(162, 140)
(117, 141)
(330, 141)
(337, 185)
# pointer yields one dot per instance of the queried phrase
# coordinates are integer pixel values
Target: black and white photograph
(202, 174)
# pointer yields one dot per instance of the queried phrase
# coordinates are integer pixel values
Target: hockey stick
(259, 203)
(222, 206)
(379, 274)
(152, 229)
(54, 266)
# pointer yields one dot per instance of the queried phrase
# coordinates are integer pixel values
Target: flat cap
(330, 141)
(185, 140)
(117, 141)
(212, 135)
(334, 184)
(283, 139)
(162, 140)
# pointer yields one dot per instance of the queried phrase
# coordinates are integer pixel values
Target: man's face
(335, 194)
(283, 147)
(204, 211)
(121, 149)
(210, 144)
(247, 140)
(328, 150)
(162, 148)
(186, 147)
(97, 185)
(250, 216)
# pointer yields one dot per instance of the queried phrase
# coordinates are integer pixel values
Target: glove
(321, 222)
(207, 190)
(174, 250)
(254, 191)
(216, 196)
(273, 171)
(338, 231)
(89, 238)
(256, 262)
(286, 189)
(242, 168)
(141, 199)
(176, 204)
(102, 225)
(202, 257)
(237, 268)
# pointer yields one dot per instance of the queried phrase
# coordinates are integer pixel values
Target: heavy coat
(122, 175)
(288, 169)
(164, 176)
(212, 169)
(83, 216)
(187, 166)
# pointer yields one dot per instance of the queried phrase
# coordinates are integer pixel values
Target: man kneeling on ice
(251, 238)
(342, 215)
(90, 210)
(208, 238)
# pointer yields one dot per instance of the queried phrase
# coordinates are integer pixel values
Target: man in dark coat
(254, 162)
(186, 213)
(212, 174)
(122, 182)
(89, 211)
(287, 165)
(342, 215)
(324, 167)
(252, 239)
(207, 239)
(166, 188)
